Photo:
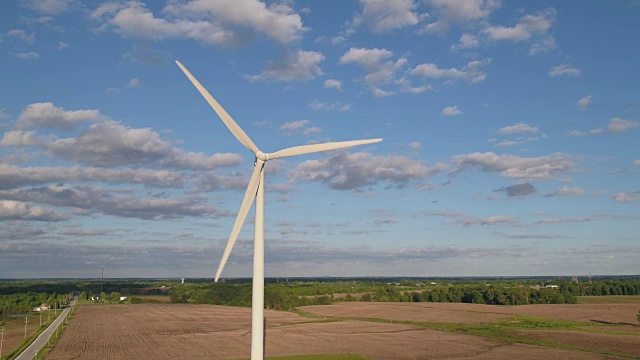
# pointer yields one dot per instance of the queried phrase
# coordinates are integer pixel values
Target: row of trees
(21, 303)
(285, 298)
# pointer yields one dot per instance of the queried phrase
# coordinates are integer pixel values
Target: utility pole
(1, 340)
(101, 282)
(26, 321)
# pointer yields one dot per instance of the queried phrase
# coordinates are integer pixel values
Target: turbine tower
(255, 190)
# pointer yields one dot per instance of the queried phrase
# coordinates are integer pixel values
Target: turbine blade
(249, 196)
(307, 149)
(222, 113)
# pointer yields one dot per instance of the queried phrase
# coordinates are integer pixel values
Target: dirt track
(187, 331)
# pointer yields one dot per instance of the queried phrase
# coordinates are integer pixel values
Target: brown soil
(14, 332)
(419, 312)
(617, 344)
(620, 314)
(177, 331)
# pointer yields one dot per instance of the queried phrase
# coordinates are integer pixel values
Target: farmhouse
(42, 307)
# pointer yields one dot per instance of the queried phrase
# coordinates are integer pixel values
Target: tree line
(285, 296)
(21, 303)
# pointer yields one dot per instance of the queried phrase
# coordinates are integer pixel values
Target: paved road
(30, 352)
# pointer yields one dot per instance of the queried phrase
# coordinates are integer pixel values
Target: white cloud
(333, 84)
(311, 130)
(18, 210)
(517, 129)
(585, 102)
(110, 144)
(566, 191)
(471, 72)
(356, 171)
(382, 15)
(618, 124)
(294, 125)
(516, 167)
(320, 105)
(46, 115)
(451, 111)
(299, 127)
(636, 163)
(463, 12)
(134, 83)
(527, 26)
(467, 41)
(407, 87)
(377, 92)
(21, 138)
(63, 45)
(622, 197)
(369, 58)
(416, 145)
(507, 143)
(615, 125)
(30, 55)
(210, 22)
(378, 70)
(564, 220)
(518, 190)
(53, 7)
(542, 45)
(564, 69)
(90, 200)
(458, 218)
(22, 36)
(14, 176)
(299, 65)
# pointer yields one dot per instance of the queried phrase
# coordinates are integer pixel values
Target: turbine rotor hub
(262, 156)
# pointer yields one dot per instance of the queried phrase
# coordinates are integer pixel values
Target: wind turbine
(255, 190)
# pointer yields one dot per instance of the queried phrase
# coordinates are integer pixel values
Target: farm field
(157, 298)
(611, 299)
(375, 330)
(14, 330)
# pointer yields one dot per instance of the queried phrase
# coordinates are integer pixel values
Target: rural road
(30, 352)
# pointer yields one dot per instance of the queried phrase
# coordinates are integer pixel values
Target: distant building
(42, 307)
(123, 298)
(552, 286)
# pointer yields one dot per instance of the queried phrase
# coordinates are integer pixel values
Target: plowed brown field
(627, 345)
(468, 313)
(188, 331)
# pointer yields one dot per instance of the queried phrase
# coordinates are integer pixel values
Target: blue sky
(510, 137)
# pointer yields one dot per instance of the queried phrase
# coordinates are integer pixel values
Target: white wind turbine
(256, 190)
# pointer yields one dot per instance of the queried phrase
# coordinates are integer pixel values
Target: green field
(611, 299)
